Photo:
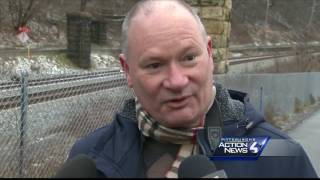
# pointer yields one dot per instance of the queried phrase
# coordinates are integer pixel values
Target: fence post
(23, 119)
(261, 100)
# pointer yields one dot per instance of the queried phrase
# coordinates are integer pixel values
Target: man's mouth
(178, 102)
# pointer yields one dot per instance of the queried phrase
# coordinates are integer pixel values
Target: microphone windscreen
(80, 166)
(196, 166)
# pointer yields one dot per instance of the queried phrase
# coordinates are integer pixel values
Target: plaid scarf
(149, 127)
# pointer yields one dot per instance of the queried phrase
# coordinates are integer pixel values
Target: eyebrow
(151, 59)
(161, 56)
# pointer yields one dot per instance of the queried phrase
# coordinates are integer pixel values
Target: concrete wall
(279, 91)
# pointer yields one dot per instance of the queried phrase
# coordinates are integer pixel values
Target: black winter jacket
(117, 147)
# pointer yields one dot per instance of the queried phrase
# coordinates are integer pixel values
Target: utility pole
(266, 24)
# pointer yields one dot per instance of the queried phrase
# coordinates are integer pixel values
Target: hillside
(252, 22)
(282, 21)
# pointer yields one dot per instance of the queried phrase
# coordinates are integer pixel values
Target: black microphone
(80, 166)
(199, 166)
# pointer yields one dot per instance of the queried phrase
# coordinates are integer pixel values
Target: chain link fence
(42, 117)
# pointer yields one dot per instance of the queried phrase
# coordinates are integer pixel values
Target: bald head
(147, 8)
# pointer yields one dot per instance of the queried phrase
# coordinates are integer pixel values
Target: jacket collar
(217, 127)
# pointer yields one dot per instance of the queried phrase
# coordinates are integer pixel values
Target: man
(167, 59)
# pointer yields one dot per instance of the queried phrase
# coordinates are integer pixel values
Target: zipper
(230, 121)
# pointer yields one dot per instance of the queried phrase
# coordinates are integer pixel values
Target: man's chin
(180, 122)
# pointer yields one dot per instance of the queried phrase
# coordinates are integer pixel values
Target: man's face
(169, 67)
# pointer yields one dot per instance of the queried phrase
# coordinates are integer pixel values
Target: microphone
(199, 166)
(80, 166)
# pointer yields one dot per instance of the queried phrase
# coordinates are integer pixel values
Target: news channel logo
(240, 148)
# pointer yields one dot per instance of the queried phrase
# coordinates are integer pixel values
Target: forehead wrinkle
(171, 36)
(181, 39)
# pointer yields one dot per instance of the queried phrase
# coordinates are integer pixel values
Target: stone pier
(79, 38)
(215, 15)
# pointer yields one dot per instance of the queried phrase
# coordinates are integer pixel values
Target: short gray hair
(146, 6)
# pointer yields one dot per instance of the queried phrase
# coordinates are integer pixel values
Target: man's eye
(153, 66)
(190, 58)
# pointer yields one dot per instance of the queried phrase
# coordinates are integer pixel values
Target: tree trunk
(313, 9)
(83, 5)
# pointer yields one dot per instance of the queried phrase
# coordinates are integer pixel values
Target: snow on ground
(42, 65)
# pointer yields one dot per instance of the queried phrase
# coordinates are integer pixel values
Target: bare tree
(313, 10)
(21, 11)
(268, 4)
(0, 14)
(1, 11)
(83, 5)
(266, 23)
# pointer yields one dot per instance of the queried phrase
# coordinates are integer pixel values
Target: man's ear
(125, 68)
(209, 47)
(210, 52)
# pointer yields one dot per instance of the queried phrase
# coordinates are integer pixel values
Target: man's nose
(176, 78)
